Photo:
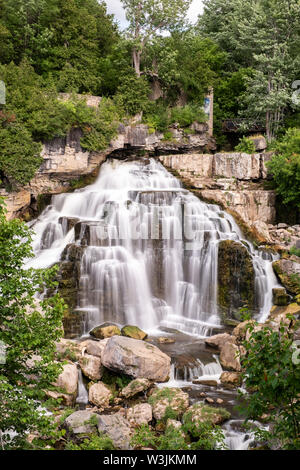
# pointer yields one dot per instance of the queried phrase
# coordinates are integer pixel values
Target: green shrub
(101, 442)
(245, 145)
(284, 167)
(144, 437)
(186, 115)
(133, 94)
(295, 251)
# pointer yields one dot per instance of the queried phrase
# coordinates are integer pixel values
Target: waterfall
(82, 393)
(148, 250)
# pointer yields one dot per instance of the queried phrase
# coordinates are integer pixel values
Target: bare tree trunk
(136, 59)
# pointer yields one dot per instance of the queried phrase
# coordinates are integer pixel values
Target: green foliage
(101, 442)
(29, 331)
(273, 376)
(133, 94)
(295, 251)
(188, 114)
(245, 145)
(172, 439)
(285, 167)
(144, 437)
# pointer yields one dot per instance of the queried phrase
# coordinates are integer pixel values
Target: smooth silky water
(150, 258)
(151, 254)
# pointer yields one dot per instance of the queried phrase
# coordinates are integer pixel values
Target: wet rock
(136, 358)
(105, 331)
(91, 367)
(209, 400)
(201, 413)
(139, 414)
(117, 428)
(217, 341)
(210, 383)
(229, 357)
(81, 422)
(219, 401)
(168, 398)
(291, 309)
(67, 223)
(165, 340)
(134, 387)
(280, 297)
(100, 395)
(231, 379)
(235, 278)
(133, 332)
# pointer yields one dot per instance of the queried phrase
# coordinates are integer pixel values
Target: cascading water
(149, 249)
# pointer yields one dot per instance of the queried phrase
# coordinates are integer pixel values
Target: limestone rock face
(117, 428)
(99, 395)
(229, 357)
(238, 165)
(78, 422)
(105, 331)
(15, 202)
(287, 270)
(139, 414)
(218, 341)
(235, 277)
(136, 358)
(240, 330)
(68, 379)
(168, 397)
(91, 367)
(134, 387)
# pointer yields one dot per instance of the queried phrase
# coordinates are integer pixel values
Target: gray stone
(79, 422)
(117, 428)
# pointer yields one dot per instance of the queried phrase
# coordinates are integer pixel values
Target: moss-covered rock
(200, 413)
(280, 297)
(288, 272)
(168, 403)
(107, 330)
(235, 278)
(133, 332)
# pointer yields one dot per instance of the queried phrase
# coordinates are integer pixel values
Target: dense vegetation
(246, 51)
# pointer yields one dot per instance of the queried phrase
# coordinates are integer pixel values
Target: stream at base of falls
(146, 254)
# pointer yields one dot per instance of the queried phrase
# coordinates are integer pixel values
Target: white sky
(115, 7)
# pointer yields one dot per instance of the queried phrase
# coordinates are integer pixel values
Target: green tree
(273, 377)
(149, 17)
(29, 329)
(263, 35)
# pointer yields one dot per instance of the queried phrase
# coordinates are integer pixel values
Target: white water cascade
(148, 250)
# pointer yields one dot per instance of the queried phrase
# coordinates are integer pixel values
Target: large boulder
(235, 278)
(106, 330)
(241, 329)
(100, 395)
(136, 358)
(67, 349)
(229, 357)
(117, 428)
(288, 271)
(218, 341)
(67, 381)
(168, 398)
(133, 332)
(201, 413)
(82, 422)
(93, 347)
(91, 367)
(139, 414)
(134, 387)
(280, 297)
